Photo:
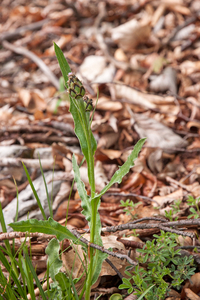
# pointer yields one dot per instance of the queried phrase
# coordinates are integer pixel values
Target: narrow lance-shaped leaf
(123, 170)
(85, 199)
(64, 66)
(48, 227)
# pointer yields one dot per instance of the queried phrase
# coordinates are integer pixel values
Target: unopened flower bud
(75, 87)
(88, 103)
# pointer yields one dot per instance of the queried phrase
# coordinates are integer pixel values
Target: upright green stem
(92, 186)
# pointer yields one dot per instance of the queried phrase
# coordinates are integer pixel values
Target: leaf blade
(48, 227)
(64, 66)
(123, 170)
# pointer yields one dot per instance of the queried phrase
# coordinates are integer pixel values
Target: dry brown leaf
(111, 154)
(108, 140)
(164, 82)
(131, 34)
(173, 295)
(193, 284)
(121, 91)
(133, 181)
(191, 295)
(33, 100)
(120, 55)
(144, 211)
(157, 134)
(184, 240)
(162, 200)
(189, 67)
(94, 68)
(104, 103)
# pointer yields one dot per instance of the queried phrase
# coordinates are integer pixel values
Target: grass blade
(34, 192)
(45, 184)
(35, 276)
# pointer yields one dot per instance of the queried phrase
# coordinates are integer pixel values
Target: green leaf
(85, 199)
(35, 276)
(86, 205)
(48, 226)
(193, 210)
(8, 267)
(116, 297)
(45, 184)
(63, 281)
(83, 130)
(64, 66)
(55, 264)
(142, 296)
(123, 170)
(34, 192)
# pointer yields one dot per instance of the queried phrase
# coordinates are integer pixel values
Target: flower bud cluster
(77, 91)
(75, 87)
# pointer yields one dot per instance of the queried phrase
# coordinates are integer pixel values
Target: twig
(162, 226)
(148, 219)
(114, 268)
(23, 51)
(16, 234)
(114, 254)
(47, 164)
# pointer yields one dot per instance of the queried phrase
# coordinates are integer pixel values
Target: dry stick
(114, 268)
(30, 27)
(16, 234)
(148, 219)
(165, 226)
(36, 59)
(118, 255)
(47, 164)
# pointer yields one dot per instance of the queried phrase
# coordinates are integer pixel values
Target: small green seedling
(128, 206)
(195, 211)
(175, 209)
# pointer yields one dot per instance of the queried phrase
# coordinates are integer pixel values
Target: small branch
(16, 234)
(164, 225)
(47, 164)
(148, 219)
(114, 268)
(114, 254)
